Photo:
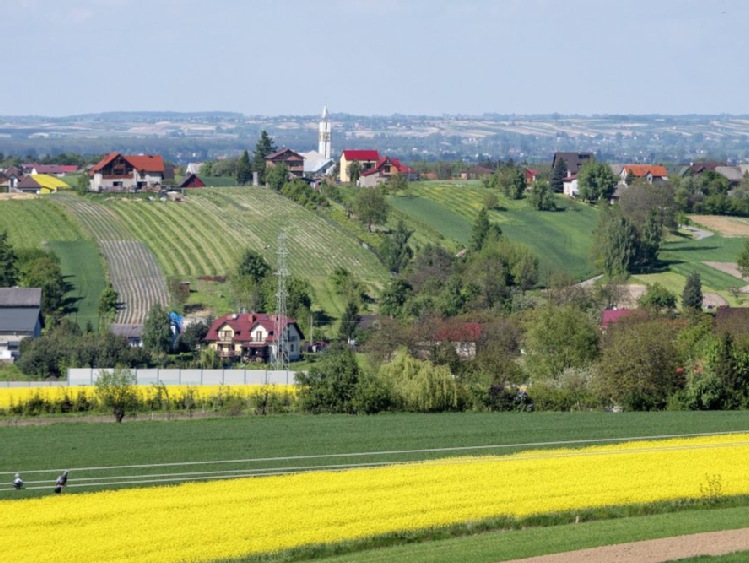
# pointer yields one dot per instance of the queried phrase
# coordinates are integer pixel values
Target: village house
(33, 169)
(383, 170)
(117, 172)
(20, 317)
(251, 337)
(367, 159)
(292, 159)
(572, 161)
(648, 172)
(40, 184)
(570, 186)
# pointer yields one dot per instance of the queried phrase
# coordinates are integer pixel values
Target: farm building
(40, 184)
(292, 159)
(20, 317)
(191, 181)
(117, 172)
(251, 337)
(366, 158)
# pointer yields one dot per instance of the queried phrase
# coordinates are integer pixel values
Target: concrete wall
(86, 376)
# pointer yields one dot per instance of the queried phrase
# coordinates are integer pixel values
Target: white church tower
(324, 138)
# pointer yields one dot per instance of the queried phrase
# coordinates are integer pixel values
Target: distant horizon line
(551, 115)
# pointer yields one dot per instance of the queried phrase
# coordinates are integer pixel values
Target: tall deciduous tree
(691, 297)
(371, 207)
(542, 196)
(8, 266)
(244, 169)
(157, 335)
(615, 244)
(596, 181)
(108, 304)
(276, 176)
(263, 148)
(512, 180)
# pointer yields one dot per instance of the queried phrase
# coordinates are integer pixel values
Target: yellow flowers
(224, 519)
(14, 396)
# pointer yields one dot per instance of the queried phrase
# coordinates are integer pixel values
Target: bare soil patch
(16, 195)
(726, 226)
(656, 551)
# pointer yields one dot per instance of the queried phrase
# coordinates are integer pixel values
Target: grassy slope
(562, 240)
(42, 223)
(206, 234)
(83, 269)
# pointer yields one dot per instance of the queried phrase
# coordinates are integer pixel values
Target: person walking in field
(18, 482)
(61, 481)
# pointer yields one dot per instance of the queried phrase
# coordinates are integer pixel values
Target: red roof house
(191, 181)
(383, 170)
(118, 172)
(367, 160)
(251, 337)
(611, 316)
(650, 172)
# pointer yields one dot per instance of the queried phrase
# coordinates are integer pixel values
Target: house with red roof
(613, 316)
(191, 181)
(118, 172)
(34, 168)
(367, 159)
(383, 170)
(251, 337)
(649, 172)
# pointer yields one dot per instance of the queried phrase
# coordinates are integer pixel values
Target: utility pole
(282, 345)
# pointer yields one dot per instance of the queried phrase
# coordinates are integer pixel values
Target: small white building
(570, 186)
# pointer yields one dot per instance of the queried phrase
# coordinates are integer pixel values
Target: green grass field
(31, 223)
(82, 268)
(562, 240)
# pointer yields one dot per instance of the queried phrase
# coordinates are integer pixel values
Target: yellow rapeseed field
(10, 396)
(204, 521)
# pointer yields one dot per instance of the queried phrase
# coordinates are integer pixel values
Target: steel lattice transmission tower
(282, 344)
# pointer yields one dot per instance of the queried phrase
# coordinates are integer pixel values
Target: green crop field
(383, 438)
(82, 268)
(562, 240)
(30, 223)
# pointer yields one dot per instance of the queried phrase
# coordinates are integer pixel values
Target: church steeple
(324, 137)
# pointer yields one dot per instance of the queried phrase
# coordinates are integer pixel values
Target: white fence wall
(86, 376)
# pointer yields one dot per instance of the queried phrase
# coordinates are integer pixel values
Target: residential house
(292, 159)
(696, 168)
(118, 172)
(530, 177)
(648, 172)
(367, 159)
(383, 170)
(10, 178)
(570, 186)
(251, 337)
(464, 336)
(40, 184)
(33, 169)
(733, 174)
(133, 333)
(20, 317)
(191, 181)
(476, 172)
(572, 160)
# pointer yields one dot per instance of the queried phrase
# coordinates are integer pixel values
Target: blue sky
(273, 57)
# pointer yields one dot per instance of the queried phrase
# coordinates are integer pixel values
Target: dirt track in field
(726, 226)
(655, 551)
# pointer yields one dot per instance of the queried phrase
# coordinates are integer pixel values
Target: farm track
(133, 269)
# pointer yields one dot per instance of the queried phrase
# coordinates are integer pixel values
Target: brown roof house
(292, 159)
(572, 160)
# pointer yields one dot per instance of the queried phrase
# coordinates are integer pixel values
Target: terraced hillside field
(133, 270)
(562, 240)
(206, 233)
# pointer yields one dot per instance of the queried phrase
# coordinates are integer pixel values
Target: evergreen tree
(743, 260)
(513, 182)
(541, 196)
(481, 230)
(8, 266)
(396, 254)
(244, 169)
(349, 319)
(263, 148)
(558, 173)
(691, 297)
